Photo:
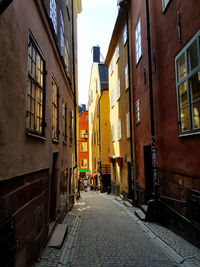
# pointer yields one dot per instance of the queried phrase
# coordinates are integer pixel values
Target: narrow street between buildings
(103, 231)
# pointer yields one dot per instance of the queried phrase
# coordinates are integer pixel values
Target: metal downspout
(153, 148)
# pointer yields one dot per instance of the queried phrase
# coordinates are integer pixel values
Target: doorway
(148, 169)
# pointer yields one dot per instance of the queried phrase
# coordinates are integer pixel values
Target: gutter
(153, 148)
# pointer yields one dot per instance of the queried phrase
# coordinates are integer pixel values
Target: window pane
(196, 115)
(185, 122)
(193, 56)
(183, 95)
(195, 87)
(181, 68)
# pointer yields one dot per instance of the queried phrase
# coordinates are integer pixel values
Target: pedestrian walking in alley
(85, 185)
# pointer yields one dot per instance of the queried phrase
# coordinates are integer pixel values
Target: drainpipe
(121, 4)
(153, 148)
(74, 82)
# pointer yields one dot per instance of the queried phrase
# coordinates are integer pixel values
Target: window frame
(119, 132)
(83, 147)
(84, 166)
(126, 77)
(53, 12)
(125, 34)
(64, 122)
(138, 41)
(39, 86)
(189, 74)
(55, 112)
(165, 5)
(137, 111)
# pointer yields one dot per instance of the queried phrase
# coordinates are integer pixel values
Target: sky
(95, 26)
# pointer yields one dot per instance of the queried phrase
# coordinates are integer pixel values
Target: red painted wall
(140, 90)
(83, 125)
(174, 154)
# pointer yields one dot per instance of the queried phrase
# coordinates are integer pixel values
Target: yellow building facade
(119, 86)
(99, 126)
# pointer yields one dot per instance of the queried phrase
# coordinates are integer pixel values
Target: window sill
(36, 136)
(55, 141)
(188, 134)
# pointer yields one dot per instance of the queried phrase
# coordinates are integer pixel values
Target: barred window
(54, 110)
(35, 88)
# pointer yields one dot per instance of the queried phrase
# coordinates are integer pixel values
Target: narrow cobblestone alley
(103, 231)
(106, 235)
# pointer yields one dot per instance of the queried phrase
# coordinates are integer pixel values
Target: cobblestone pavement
(105, 232)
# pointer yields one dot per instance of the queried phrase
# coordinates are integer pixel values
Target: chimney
(96, 53)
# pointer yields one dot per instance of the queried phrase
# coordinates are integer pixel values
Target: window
(125, 34)
(119, 129)
(113, 133)
(70, 127)
(67, 59)
(54, 110)
(126, 77)
(98, 109)
(92, 117)
(128, 125)
(117, 52)
(64, 121)
(53, 14)
(188, 86)
(83, 146)
(62, 30)
(118, 89)
(98, 137)
(82, 132)
(164, 4)
(138, 47)
(137, 111)
(83, 163)
(35, 89)
(94, 138)
(96, 85)
(111, 67)
(112, 98)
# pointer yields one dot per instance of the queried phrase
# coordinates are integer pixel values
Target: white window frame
(126, 79)
(165, 4)
(113, 132)
(128, 133)
(125, 34)
(53, 14)
(119, 129)
(137, 111)
(117, 52)
(112, 98)
(138, 43)
(62, 36)
(186, 79)
(118, 89)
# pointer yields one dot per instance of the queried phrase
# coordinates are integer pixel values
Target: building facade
(121, 156)
(83, 145)
(176, 92)
(99, 126)
(38, 136)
